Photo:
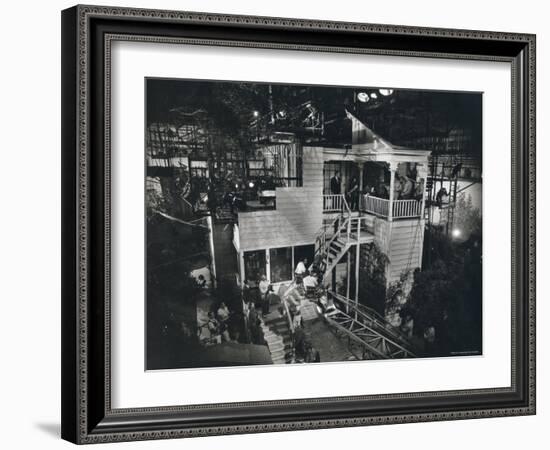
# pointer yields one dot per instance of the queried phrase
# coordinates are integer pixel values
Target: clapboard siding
(312, 167)
(405, 249)
(299, 214)
(381, 230)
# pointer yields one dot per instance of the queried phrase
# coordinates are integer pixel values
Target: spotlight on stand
(385, 92)
(374, 95)
(256, 113)
(456, 233)
(251, 184)
(363, 97)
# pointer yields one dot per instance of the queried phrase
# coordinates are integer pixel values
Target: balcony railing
(334, 203)
(381, 206)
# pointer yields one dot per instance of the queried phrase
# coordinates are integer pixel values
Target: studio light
(385, 92)
(363, 97)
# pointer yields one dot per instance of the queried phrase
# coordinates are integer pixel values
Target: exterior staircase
(275, 343)
(370, 335)
(347, 229)
(278, 334)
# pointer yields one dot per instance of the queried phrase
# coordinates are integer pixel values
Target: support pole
(212, 250)
(357, 254)
(393, 166)
(423, 175)
(348, 280)
(241, 266)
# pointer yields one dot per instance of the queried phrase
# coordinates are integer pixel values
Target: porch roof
(369, 146)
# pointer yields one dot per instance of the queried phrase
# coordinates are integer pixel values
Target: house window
(280, 260)
(254, 266)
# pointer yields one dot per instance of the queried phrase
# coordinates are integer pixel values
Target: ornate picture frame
(88, 33)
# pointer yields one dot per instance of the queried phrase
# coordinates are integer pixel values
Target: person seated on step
(310, 283)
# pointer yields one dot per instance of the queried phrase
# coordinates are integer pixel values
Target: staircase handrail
(284, 301)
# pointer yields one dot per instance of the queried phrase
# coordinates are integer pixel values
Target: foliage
(172, 253)
(397, 294)
(446, 295)
(372, 279)
(467, 218)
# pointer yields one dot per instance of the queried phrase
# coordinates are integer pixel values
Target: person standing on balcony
(335, 184)
(353, 194)
(397, 187)
(335, 189)
(408, 188)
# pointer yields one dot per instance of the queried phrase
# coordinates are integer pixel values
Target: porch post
(357, 255)
(360, 201)
(423, 175)
(241, 266)
(393, 167)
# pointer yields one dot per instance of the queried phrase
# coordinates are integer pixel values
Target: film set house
(309, 250)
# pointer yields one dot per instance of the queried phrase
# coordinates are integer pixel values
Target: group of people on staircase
(257, 305)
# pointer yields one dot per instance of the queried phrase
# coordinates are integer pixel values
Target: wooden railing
(375, 205)
(335, 203)
(332, 203)
(406, 208)
(381, 207)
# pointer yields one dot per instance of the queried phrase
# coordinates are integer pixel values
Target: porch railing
(334, 203)
(406, 208)
(400, 208)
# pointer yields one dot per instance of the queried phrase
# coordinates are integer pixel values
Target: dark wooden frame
(87, 32)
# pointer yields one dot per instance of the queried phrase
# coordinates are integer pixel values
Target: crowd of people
(218, 325)
(258, 304)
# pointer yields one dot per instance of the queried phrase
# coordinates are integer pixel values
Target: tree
(372, 279)
(467, 218)
(447, 296)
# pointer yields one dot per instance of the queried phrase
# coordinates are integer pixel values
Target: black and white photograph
(298, 224)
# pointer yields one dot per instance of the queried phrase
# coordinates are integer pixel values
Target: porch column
(422, 174)
(241, 266)
(393, 168)
(357, 256)
(360, 201)
(212, 250)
